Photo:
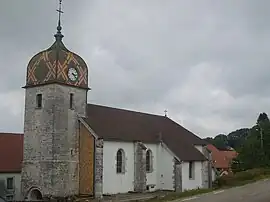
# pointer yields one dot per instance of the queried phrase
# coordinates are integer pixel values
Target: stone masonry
(99, 169)
(207, 169)
(177, 176)
(139, 167)
(51, 141)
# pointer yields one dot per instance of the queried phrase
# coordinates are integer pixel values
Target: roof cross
(165, 112)
(59, 35)
(59, 17)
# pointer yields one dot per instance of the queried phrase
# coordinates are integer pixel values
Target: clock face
(73, 74)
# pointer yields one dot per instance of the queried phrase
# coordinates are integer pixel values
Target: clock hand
(74, 75)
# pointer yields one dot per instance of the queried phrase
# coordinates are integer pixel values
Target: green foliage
(256, 149)
(237, 138)
(253, 145)
(241, 178)
(262, 118)
(220, 141)
(233, 140)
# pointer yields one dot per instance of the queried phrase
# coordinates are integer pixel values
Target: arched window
(149, 161)
(120, 161)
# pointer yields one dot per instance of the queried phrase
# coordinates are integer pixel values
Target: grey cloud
(205, 61)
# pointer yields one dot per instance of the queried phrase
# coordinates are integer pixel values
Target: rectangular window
(71, 100)
(39, 100)
(10, 183)
(191, 170)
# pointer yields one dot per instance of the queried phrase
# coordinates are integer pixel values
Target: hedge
(242, 177)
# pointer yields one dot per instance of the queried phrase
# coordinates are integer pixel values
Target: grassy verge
(225, 182)
(242, 178)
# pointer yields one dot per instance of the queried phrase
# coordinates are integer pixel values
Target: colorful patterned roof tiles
(53, 64)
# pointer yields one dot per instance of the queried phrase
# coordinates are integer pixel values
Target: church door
(86, 158)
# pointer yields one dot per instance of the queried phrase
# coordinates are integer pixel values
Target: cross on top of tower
(59, 35)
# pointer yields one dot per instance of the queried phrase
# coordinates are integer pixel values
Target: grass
(238, 179)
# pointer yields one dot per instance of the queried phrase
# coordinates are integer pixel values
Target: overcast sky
(205, 61)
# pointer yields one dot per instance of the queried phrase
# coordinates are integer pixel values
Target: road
(255, 192)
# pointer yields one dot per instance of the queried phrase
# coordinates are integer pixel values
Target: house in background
(11, 155)
(222, 159)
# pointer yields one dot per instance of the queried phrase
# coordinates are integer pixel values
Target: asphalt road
(255, 192)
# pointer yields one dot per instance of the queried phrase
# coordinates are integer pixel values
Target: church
(70, 147)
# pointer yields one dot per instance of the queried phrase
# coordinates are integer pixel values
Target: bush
(240, 178)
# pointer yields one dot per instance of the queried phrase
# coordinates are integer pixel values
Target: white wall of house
(161, 176)
(165, 168)
(16, 192)
(196, 181)
(113, 182)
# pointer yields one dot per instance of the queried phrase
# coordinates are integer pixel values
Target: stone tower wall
(51, 140)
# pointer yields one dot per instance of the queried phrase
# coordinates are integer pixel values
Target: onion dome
(57, 65)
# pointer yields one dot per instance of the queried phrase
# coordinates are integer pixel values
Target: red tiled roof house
(11, 156)
(222, 159)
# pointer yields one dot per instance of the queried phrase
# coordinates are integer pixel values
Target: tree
(237, 138)
(221, 142)
(255, 152)
(209, 140)
(251, 154)
(262, 118)
(252, 145)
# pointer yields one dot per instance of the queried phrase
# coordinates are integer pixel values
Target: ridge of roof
(126, 110)
(199, 140)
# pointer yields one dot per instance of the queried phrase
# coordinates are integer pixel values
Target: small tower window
(39, 100)
(71, 100)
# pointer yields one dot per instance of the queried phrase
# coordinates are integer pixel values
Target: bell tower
(55, 96)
